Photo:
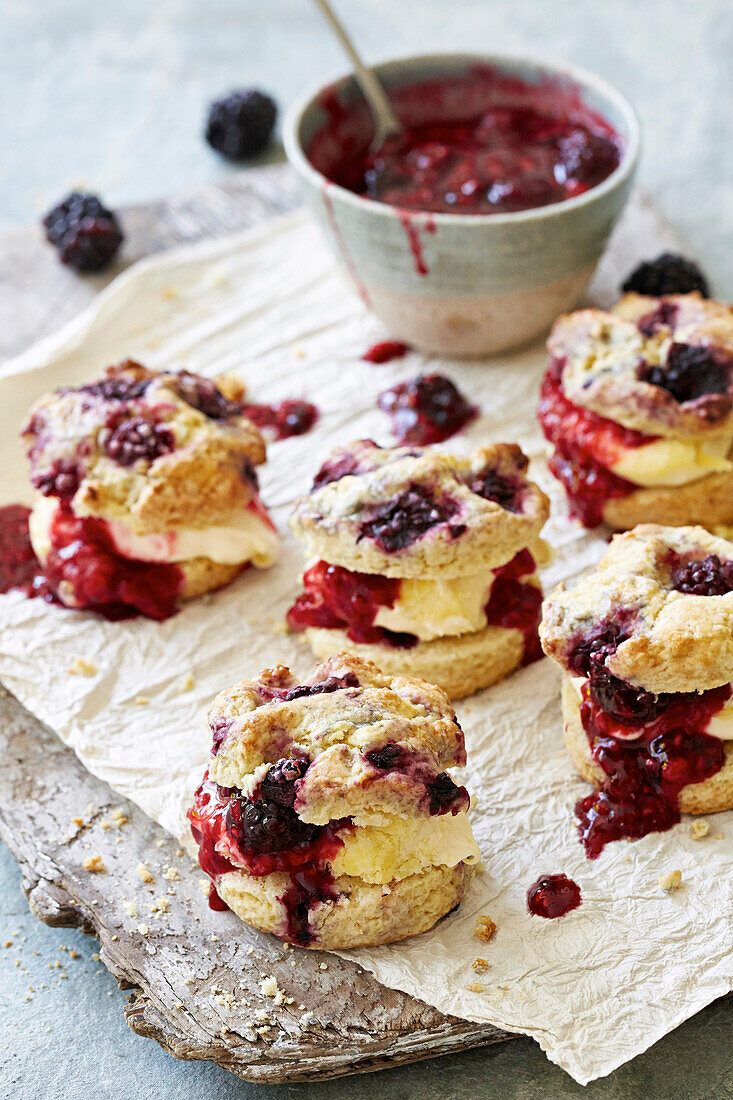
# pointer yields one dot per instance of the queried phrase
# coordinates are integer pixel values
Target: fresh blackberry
(668, 274)
(278, 786)
(86, 234)
(240, 125)
(691, 372)
(709, 577)
(138, 438)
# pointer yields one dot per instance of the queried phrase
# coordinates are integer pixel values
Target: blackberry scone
(327, 815)
(646, 645)
(423, 562)
(638, 405)
(146, 491)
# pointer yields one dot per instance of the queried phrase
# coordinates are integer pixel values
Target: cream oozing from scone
(672, 462)
(248, 537)
(406, 846)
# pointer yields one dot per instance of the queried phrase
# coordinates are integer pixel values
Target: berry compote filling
(397, 523)
(645, 773)
(553, 896)
(339, 599)
(84, 566)
(442, 794)
(262, 834)
(18, 563)
(694, 372)
(706, 577)
(385, 352)
(284, 420)
(586, 444)
(508, 492)
(517, 605)
(427, 409)
(482, 142)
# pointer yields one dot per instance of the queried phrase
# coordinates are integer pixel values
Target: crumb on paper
(94, 865)
(476, 987)
(269, 987)
(143, 929)
(186, 683)
(204, 886)
(485, 928)
(718, 836)
(80, 666)
(141, 701)
(226, 1000)
(671, 881)
(323, 966)
(79, 822)
(307, 1018)
(170, 874)
(699, 828)
(144, 873)
(119, 816)
(300, 352)
(169, 294)
(480, 965)
(160, 905)
(131, 908)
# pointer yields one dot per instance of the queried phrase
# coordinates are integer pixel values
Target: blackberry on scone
(425, 563)
(327, 815)
(646, 645)
(638, 406)
(146, 492)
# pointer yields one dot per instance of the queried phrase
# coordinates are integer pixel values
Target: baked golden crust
(460, 665)
(710, 796)
(675, 642)
(205, 479)
(257, 726)
(707, 501)
(362, 915)
(603, 356)
(476, 533)
(202, 575)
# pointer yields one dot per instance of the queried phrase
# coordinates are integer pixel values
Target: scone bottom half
(637, 404)
(646, 647)
(328, 816)
(423, 562)
(146, 492)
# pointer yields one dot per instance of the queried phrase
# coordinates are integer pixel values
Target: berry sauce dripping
(553, 896)
(645, 774)
(287, 419)
(427, 409)
(586, 444)
(385, 352)
(339, 599)
(481, 142)
(18, 563)
(516, 605)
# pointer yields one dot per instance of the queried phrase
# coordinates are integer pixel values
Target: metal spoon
(385, 121)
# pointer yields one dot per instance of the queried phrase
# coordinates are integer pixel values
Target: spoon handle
(384, 117)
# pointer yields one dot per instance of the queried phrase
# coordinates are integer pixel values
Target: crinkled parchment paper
(594, 988)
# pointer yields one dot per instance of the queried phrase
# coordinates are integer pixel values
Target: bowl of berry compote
(471, 230)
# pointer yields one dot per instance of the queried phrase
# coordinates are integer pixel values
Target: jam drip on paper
(553, 896)
(427, 409)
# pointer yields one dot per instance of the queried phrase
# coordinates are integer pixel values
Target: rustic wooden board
(195, 975)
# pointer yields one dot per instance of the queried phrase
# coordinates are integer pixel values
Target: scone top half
(342, 778)
(646, 644)
(160, 465)
(638, 403)
(408, 544)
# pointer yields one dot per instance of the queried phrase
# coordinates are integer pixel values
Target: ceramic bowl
(465, 284)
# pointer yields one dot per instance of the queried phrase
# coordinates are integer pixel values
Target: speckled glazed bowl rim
(584, 79)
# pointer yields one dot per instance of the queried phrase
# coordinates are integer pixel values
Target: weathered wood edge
(358, 1025)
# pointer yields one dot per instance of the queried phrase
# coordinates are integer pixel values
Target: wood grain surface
(194, 975)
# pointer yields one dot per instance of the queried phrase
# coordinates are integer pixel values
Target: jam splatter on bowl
(454, 242)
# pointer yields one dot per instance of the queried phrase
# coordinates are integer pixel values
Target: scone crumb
(231, 387)
(699, 828)
(143, 929)
(671, 881)
(160, 905)
(79, 822)
(323, 966)
(480, 965)
(485, 928)
(95, 865)
(144, 873)
(141, 701)
(119, 817)
(476, 987)
(81, 667)
(269, 987)
(186, 683)
(171, 874)
(131, 908)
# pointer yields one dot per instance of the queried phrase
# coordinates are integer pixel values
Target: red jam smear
(516, 605)
(481, 142)
(287, 419)
(18, 563)
(339, 599)
(386, 351)
(586, 444)
(644, 777)
(427, 409)
(215, 820)
(553, 896)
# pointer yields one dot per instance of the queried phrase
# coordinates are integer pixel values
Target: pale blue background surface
(112, 95)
